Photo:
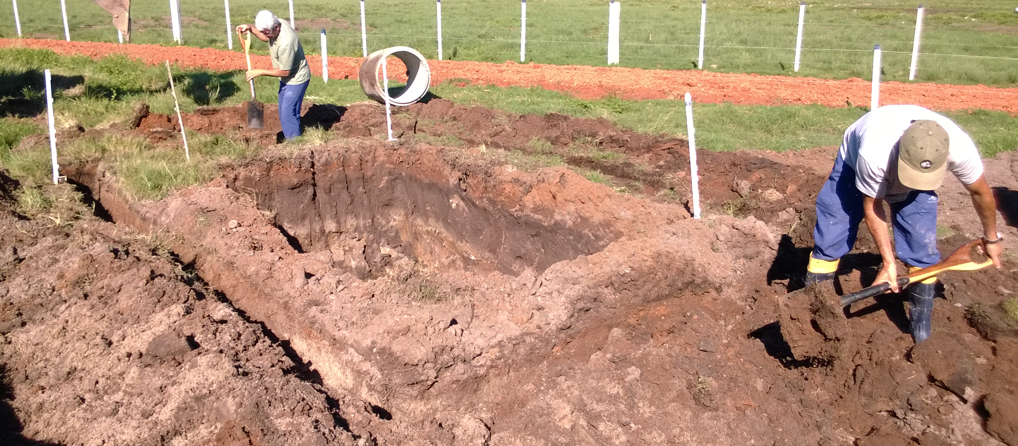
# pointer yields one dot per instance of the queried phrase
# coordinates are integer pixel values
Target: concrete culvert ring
(417, 72)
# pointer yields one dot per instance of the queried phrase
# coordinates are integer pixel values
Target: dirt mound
(470, 292)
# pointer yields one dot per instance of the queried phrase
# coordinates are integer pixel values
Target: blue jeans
(839, 212)
(291, 97)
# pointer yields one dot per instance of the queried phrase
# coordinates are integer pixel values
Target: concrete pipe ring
(418, 76)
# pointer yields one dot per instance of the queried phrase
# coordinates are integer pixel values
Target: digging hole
(370, 208)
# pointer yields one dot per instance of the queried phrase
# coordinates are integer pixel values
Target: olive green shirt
(287, 54)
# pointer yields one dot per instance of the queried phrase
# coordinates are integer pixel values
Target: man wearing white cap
(288, 64)
(898, 154)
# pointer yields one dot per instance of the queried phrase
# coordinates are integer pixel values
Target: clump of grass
(540, 145)
(60, 203)
(1011, 310)
(414, 281)
(31, 202)
(596, 177)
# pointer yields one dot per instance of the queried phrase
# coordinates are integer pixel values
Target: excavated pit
(365, 207)
(441, 295)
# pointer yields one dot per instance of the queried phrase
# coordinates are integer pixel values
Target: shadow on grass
(23, 93)
(206, 88)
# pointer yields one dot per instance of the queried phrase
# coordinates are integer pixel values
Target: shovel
(812, 322)
(255, 109)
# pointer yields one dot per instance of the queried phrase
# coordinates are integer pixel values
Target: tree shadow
(323, 116)
(23, 93)
(10, 425)
(1007, 204)
(206, 88)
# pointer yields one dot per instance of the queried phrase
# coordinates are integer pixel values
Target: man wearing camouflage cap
(898, 154)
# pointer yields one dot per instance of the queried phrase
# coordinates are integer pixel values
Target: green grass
(967, 43)
(97, 93)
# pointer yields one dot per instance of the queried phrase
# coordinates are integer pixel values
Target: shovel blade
(255, 115)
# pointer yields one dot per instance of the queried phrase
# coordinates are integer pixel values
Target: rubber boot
(820, 270)
(813, 278)
(920, 299)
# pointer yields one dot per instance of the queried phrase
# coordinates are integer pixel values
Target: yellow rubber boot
(820, 270)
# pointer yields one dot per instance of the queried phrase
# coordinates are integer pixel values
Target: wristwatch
(995, 241)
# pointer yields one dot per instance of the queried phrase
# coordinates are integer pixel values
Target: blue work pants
(839, 212)
(291, 97)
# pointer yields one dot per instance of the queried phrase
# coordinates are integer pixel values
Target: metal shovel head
(255, 114)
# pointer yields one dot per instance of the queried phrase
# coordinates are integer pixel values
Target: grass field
(969, 43)
(112, 86)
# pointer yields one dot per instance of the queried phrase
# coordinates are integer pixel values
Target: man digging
(897, 154)
(288, 64)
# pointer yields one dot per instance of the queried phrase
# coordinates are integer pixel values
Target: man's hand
(251, 74)
(241, 29)
(993, 251)
(888, 273)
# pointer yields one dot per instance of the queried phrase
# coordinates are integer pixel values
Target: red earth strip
(586, 82)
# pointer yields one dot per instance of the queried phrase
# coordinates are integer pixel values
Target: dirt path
(596, 82)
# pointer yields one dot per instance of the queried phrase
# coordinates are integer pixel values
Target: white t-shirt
(870, 147)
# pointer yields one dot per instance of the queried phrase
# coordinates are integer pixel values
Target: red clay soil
(469, 285)
(587, 82)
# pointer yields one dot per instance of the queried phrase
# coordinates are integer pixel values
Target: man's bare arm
(876, 221)
(986, 208)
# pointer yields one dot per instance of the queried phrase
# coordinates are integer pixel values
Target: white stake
(63, 11)
(523, 30)
(176, 106)
(325, 58)
(120, 36)
(174, 20)
(52, 127)
(614, 14)
(703, 30)
(438, 4)
(798, 37)
(875, 92)
(229, 27)
(694, 172)
(915, 43)
(385, 91)
(364, 32)
(17, 19)
(291, 15)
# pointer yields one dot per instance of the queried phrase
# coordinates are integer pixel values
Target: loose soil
(448, 288)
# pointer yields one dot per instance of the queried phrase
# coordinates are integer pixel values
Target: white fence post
(175, 20)
(694, 171)
(364, 32)
(120, 36)
(17, 19)
(385, 91)
(915, 42)
(292, 26)
(798, 37)
(229, 27)
(703, 30)
(325, 58)
(523, 30)
(875, 92)
(180, 119)
(438, 5)
(52, 127)
(63, 11)
(614, 17)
